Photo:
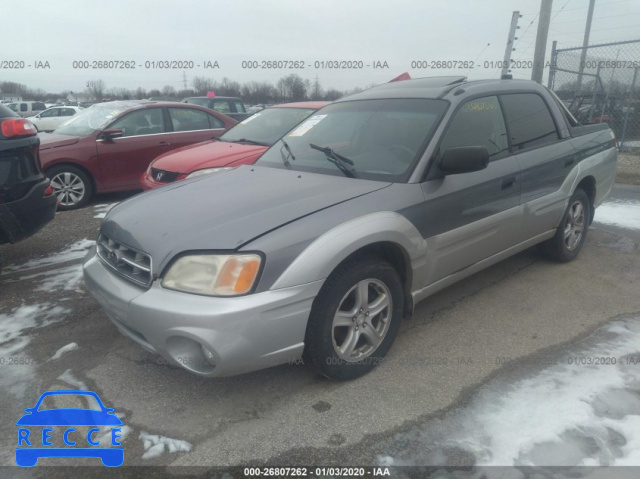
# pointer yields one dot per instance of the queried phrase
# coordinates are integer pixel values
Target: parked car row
(108, 146)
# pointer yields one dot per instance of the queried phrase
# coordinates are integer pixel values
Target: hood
(51, 140)
(209, 154)
(223, 211)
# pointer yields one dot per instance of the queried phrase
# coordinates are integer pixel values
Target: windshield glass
(382, 138)
(267, 126)
(87, 121)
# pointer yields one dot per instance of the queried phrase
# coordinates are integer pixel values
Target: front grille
(127, 262)
(164, 176)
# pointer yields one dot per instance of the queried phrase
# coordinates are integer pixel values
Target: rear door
(545, 160)
(471, 216)
(122, 160)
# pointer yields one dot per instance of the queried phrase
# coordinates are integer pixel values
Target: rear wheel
(354, 319)
(572, 232)
(71, 186)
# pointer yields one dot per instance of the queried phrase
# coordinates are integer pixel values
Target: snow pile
(64, 350)
(155, 445)
(100, 211)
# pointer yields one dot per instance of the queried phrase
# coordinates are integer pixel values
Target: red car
(241, 145)
(109, 145)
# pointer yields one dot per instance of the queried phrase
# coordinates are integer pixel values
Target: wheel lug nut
(367, 313)
(353, 319)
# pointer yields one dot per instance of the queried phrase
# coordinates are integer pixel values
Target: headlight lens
(206, 171)
(214, 275)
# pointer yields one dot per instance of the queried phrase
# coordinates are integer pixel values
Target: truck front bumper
(210, 336)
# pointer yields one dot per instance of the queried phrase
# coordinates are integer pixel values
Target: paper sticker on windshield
(307, 125)
(247, 120)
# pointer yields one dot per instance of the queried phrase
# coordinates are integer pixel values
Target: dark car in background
(227, 105)
(109, 145)
(241, 145)
(27, 202)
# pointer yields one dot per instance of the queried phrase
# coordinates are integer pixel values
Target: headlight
(206, 171)
(214, 275)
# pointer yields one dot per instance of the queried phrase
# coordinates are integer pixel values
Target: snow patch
(100, 211)
(71, 380)
(574, 413)
(64, 350)
(155, 445)
(14, 325)
(620, 213)
(76, 251)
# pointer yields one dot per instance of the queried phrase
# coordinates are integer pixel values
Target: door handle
(164, 144)
(508, 183)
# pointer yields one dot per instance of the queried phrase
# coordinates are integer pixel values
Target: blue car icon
(28, 456)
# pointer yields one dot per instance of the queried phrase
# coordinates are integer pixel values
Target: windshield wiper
(343, 163)
(252, 142)
(285, 159)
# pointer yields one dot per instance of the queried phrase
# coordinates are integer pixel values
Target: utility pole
(541, 40)
(509, 48)
(184, 79)
(585, 44)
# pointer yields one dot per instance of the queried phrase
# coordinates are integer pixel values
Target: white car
(53, 117)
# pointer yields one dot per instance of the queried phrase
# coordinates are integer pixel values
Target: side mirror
(112, 133)
(464, 159)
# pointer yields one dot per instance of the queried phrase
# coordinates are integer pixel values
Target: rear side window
(186, 119)
(221, 106)
(529, 120)
(239, 107)
(478, 122)
(23, 107)
(215, 122)
(38, 106)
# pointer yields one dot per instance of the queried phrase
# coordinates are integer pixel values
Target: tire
(71, 185)
(348, 351)
(572, 232)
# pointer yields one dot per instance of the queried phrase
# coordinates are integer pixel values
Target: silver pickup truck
(321, 248)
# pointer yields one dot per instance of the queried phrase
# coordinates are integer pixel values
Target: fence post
(552, 67)
(626, 114)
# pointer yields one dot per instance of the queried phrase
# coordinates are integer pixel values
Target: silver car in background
(371, 205)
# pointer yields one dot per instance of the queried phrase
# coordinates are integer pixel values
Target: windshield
(87, 121)
(382, 138)
(267, 126)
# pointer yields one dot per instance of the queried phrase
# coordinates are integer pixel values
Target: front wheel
(71, 186)
(572, 232)
(354, 319)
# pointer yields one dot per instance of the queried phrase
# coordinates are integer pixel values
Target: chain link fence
(601, 84)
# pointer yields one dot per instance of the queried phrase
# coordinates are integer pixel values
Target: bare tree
(96, 88)
(169, 91)
(202, 85)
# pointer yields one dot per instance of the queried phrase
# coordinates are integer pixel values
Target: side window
(221, 106)
(67, 112)
(23, 107)
(239, 107)
(50, 113)
(140, 122)
(215, 122)
(478, 122)
(186, 119)
(39, 106)
(529, 119)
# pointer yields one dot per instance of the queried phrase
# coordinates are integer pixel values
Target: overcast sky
(396, 32)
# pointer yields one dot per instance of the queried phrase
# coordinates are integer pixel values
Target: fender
(322, 256)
